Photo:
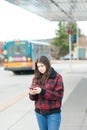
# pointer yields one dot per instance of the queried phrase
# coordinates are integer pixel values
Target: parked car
(67, 57)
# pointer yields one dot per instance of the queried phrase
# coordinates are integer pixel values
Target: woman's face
(41, 68)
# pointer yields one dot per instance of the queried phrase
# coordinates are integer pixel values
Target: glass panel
(17, 50)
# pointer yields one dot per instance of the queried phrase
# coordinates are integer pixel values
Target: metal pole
(77, 44)
(70, 46)
(70, 51)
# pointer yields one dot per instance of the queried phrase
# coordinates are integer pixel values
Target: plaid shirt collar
(53, 74)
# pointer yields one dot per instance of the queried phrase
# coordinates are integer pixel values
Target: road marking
(13, 101)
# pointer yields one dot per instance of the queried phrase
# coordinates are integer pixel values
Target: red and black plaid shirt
(51, 95)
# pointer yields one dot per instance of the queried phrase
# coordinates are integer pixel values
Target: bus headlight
(29, 58)
(5, 60)
(24, 58)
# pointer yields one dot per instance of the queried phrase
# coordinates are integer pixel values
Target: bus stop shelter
(56, 10)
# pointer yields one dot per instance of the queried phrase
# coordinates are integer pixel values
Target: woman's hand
(32, 92)
(35, 90)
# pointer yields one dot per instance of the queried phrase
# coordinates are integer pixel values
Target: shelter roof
(56, 10)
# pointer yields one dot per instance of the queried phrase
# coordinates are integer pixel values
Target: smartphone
(32, 88)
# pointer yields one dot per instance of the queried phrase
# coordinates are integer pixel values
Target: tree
(61, 41)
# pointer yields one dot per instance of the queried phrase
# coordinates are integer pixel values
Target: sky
(17, 23)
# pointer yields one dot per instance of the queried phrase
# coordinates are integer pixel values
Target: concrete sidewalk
(74, 110)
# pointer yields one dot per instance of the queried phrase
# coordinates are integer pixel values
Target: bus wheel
(16, 72)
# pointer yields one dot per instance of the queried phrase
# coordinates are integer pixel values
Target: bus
(20, 56)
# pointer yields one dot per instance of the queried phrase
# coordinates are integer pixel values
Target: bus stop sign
(70, 31)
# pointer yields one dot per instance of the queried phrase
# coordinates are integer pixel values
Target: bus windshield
(17, 50)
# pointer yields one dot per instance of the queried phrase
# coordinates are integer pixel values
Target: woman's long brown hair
(41, 78)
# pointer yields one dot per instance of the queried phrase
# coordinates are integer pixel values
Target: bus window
(10, 50)
(17, 50)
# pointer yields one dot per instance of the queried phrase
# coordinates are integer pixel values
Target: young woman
(47, 92)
